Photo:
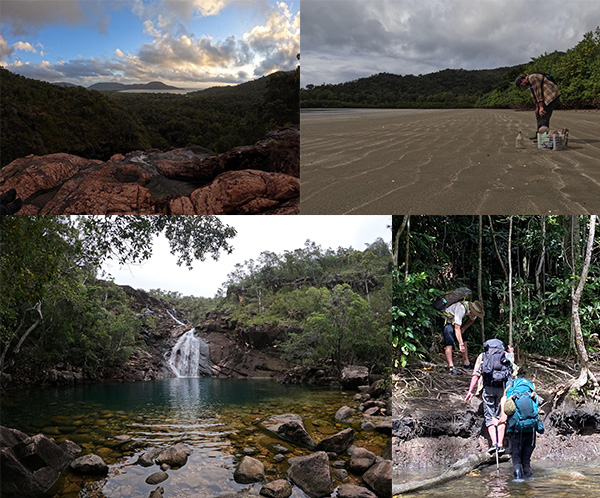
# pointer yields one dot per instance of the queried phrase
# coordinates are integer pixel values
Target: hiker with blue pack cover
(520, 409)
(492, 373)
(456, 307)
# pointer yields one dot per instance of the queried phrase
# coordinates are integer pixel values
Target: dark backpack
(526, 415)
(495, 366)
(460, 294)
(548, 77)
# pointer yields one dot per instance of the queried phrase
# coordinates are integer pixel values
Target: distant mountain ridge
(112, 86)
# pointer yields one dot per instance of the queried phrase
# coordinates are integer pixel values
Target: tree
(46, 258)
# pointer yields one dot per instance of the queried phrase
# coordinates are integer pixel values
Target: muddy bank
(412, 161)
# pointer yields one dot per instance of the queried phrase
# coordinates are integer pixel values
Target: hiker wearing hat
(454, 330)
(545, 94)
(494, 368)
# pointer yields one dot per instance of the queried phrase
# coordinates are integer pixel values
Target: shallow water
(217, 418)
(551, 480)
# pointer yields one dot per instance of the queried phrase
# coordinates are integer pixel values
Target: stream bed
(219, 419)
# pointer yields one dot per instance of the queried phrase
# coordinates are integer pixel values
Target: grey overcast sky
(255, 235)
(343, 40)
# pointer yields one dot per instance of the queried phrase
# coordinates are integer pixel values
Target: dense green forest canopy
(54, 310)
(576, 71)
(529, 291)
(339, 298)
(42, 118)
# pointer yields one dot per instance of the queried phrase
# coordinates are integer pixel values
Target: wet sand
(446, 162)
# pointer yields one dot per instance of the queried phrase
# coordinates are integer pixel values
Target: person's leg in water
(527, 447)
(491, 411)
(516, 454)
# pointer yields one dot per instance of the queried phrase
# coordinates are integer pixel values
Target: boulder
(353, 491)
(361, 460)
(290, 428)
(175, 456)
(337, 443)
(277, 489)
(29, 466)
(354, 376)
(157, 493)
(157, 478)
(146, 459)
(379, 478)
(311, 474)
(344, 414)
(92, 465)
(256, 179)
(249, 470)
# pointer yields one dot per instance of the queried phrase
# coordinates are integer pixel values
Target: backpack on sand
(495, 367)
(525, 417)
(460, 294)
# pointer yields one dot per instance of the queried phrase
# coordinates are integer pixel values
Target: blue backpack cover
(526, 416)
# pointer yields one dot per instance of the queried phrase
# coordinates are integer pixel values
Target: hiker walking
(519, 407)
(454, 316)
(494, 368)
(545, 95)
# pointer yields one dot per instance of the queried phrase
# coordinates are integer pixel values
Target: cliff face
(234, 351)
(259, 179)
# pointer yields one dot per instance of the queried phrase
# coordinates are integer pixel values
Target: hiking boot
(501, 450)
(455, 371)
(468, 367)
(492, 449)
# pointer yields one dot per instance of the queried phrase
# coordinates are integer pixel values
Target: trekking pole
(497, 462)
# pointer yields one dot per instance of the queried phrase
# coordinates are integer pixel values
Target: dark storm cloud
(343, 40)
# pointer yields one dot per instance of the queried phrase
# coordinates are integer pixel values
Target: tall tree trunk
(38, 308)
(407, 248)
(479, 276)
(540, 266)
(396, 248)
(510, 293)
(584, 361)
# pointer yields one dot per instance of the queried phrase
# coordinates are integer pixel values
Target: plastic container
(519, 141)
(551, 142)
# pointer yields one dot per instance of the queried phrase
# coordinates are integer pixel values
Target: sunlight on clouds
(25, 46)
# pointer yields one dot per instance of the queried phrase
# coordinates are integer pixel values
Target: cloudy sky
(343, 40)
(186, 43)
(255, 234)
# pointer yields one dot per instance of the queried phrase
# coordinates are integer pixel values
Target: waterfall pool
(220, 419)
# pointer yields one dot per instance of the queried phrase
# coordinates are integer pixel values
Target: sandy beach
(446, 162)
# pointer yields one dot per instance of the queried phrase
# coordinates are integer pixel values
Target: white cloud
(25, 46)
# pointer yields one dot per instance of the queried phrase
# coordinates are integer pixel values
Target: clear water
(217, 418)
(551, 480)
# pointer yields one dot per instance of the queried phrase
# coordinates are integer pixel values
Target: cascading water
(190, 357)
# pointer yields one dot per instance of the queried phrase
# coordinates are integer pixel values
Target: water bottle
(520, 141)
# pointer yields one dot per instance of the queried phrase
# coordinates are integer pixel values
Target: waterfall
(190, 357)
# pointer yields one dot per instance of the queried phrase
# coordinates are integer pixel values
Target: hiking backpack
(460, 294)
(495, 366)
(526, 415)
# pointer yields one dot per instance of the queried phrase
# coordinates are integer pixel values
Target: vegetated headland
(576, 71)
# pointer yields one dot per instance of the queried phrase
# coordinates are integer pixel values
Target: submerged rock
(89, 465)
(290, 428)
(277, 489)
(249, 470)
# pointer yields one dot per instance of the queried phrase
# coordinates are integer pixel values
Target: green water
(551, 480)
(217, 418)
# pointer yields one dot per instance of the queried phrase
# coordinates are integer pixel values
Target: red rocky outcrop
(257, 179)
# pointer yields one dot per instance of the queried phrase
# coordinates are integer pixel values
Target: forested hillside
(538, 277)
(576, 71)
(57, 313)
(41, 118)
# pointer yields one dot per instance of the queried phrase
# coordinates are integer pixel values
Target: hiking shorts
(491, 403)
(449, 336)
